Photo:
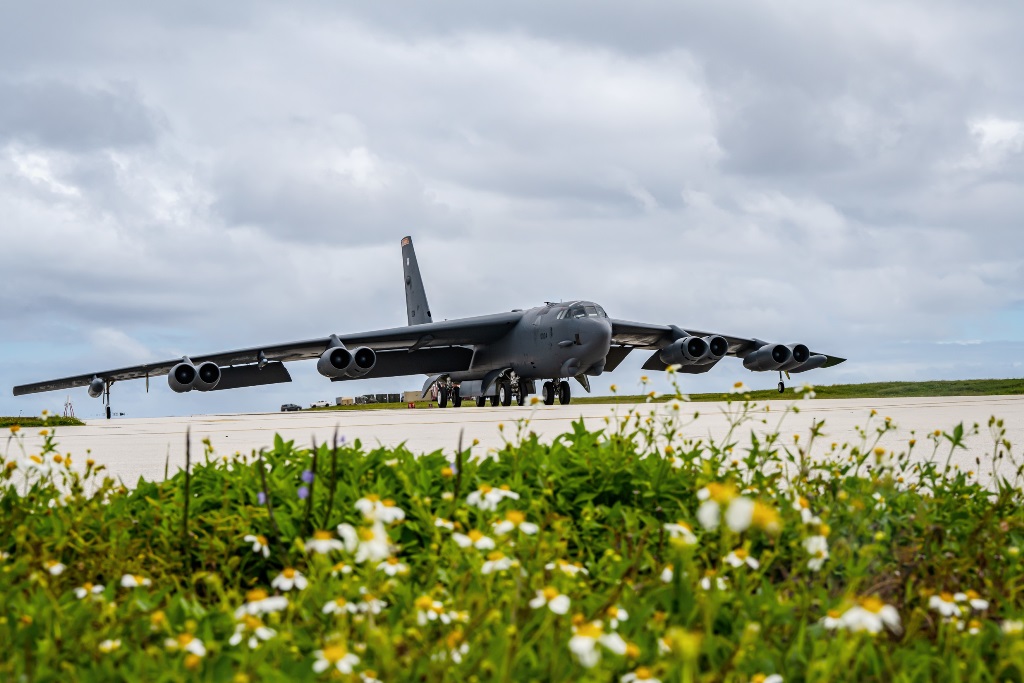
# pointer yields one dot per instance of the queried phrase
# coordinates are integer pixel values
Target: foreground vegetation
(44, 421)
(631, 554)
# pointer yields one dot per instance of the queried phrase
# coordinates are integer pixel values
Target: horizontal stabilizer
(252, 376)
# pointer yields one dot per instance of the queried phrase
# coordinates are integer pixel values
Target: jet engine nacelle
(769, 357)
(685, 351)
(339, 362)
(96, 387)
(207, 376)
(182, 377)
(717, 348)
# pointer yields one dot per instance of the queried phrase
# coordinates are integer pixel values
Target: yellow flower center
(475, 535)
(36, 459)
(972, 595)
(591, 630)
(373, 498)
(288, 573)
(87, 587)
(139, 579)
(392, 561)
(505, 487)
(424, 602)
(185, 638)
(516, 517)
(740, 554)
(255, 595)
(834, 613)
(613, 612)
(550, 593)
(872, 604)
(192, 661)
(387, 502)
(721, 493)
(366, 534)
(764, 517)
(334, 653)
(643, 673)
(758, 678)
(947, 597)
(322, 535)
(485, 489)
(495, 556)
(252, 622)
(340, 602)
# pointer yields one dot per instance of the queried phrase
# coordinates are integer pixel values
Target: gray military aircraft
(487, 358)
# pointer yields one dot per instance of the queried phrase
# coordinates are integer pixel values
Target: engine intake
(717, 348)
(335, 363)
(182, 377)
(364, 360)
(207, 376)
(685, 351)
(96, 387)
(769, 357)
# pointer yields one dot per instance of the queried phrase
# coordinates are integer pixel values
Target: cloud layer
(191, 178)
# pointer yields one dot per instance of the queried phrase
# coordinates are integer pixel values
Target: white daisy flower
(258, 602)
(817, 548)
(587, 637)
(88, 589)
(369, 676)
(1012, 627)
(108, 646)
(832, 620)
(497, 562)
(288, 579)
(371, 604)
(444, 524)
(392, 567)
(54, 567)
(487, 497)
(323, 542)
(253, 627)
(945, 605)
(667, 573)
(552, 599)
(377, 510)
(370, 544)
(567, 568)
(428, 609)
(186, 642)
(972, 598)
(134, 581)
(514, 519)
(259, 544)
(681, 532)
(334, 657)
(475, 539)
(871, 615)
(340, 569)
(641, 674)
(739, 557)
(616, 615)
(339, 606)
(710, 579)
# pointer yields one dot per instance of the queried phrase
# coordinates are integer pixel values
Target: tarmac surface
(133, 448)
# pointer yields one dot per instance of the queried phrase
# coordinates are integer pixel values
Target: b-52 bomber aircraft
(487, 358)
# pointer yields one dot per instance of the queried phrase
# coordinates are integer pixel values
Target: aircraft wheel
(494, 400)
(564, 394)
(504, 393)
(481, 401)
(549, 394)
(442, 398)
(456, 398)
(522, 396)
(782, 387)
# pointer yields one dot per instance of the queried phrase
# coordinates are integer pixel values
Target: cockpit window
(585, 311)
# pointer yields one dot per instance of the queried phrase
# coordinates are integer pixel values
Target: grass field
(628, 554)
(967, 387)
(44, 421)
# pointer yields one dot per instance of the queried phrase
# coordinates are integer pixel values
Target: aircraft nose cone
(596, 336)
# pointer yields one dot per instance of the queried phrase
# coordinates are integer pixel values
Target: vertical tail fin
(415, 295)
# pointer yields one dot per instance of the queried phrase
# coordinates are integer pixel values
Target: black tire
(522, 397)
(782, 387)
(549, 394)
(504, 394)
(564, 393)
(493, 400)
(456, 398)
(481, 401)
(442, 398)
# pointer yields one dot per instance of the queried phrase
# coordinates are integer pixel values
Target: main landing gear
(782, 385)
(561, 387)
(448, 391)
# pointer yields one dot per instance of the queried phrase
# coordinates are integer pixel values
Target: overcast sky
(190, 177)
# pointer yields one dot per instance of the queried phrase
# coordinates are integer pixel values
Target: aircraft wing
(648, 336)
(419, 341)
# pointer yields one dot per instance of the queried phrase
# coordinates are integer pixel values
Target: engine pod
(768, 358)
(207, 376)
(335, 362)
(363, 360)
(96, 387)
(182, 377)
(685, 351)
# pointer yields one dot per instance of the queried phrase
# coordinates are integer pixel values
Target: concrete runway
(131, 448)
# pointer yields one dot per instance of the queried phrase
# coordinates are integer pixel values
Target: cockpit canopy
(582, 309)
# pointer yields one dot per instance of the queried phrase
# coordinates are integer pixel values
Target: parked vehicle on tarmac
(290, 407)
